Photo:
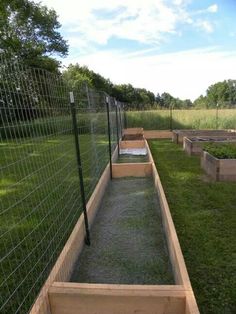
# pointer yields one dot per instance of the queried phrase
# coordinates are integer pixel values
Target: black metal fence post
(79, 163)
(109, 134)
(117, 128)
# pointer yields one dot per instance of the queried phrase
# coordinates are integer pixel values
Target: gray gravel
(127, 240)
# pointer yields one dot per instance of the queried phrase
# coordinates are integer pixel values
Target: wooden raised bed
(157, 134)
(218, 169)
(178, 135)
(133, 134)
(194, 146)
(59, 296)
(132, 169)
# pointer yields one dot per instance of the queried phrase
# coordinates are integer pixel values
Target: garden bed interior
(194, 145)
(134, 263)
(128, 245)
(178, 135)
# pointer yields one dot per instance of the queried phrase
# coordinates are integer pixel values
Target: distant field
(182, 119)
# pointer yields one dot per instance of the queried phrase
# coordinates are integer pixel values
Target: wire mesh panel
(40, 199)
(92, 126)
(114, 123)
(121, 118)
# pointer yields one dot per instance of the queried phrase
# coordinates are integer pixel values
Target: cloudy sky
(178, 46)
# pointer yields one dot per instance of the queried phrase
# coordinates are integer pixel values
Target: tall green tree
(222, 93)
(29, 31)
(77, 75)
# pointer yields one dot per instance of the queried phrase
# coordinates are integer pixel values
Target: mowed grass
(39, 205)
(182, 119)
(204, 214)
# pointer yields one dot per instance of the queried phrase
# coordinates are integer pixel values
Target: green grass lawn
(39, 205)
(182, 119)
(204, 214)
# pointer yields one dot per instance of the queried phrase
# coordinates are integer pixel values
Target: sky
(175, 46)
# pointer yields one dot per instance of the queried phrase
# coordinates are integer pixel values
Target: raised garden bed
(194, 145)
(219, 161)
(136, 265)
(133, 134)
(132, 165)
(178, 135)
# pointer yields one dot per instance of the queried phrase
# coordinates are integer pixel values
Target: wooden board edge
(176, 255)
(158, 134)
(120, 170)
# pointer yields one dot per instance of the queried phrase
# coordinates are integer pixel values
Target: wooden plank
(191, 304)
(132, 169)
(175, 136)
(157, 134)
(118, 289)
(116, 299)
(132, 144)
(187, 146)
(133, 131)
(210, 165)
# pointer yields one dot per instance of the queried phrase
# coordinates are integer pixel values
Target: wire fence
(40, 196)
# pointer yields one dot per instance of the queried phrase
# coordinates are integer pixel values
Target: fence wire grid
(40, 199)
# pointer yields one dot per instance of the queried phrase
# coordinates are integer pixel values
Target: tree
(221, 93)
(77, 76)
(29, 31)
(167, 100)
(201, 102)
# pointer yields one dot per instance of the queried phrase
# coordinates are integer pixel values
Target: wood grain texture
(156, 134)
(116, 299)
(143, 169)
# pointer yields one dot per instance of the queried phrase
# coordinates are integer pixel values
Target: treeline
(221, 94)
(135, 98)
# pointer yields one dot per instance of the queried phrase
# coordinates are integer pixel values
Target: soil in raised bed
(128, 244)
